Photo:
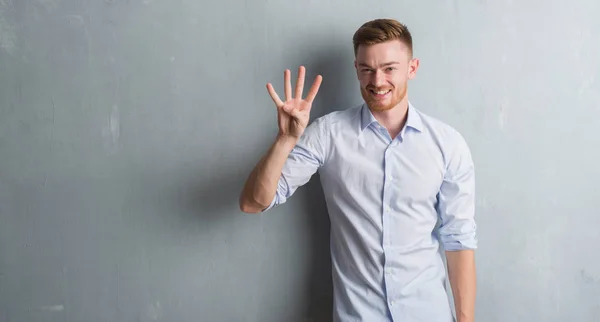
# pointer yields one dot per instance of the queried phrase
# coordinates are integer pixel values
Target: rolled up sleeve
(456, 200)
(305, 159)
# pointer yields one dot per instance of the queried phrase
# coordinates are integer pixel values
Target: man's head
(384, 62)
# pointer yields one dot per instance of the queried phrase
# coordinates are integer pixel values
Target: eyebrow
(382, 65)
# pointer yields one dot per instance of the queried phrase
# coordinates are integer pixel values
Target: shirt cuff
(273, 203)
(459, 242)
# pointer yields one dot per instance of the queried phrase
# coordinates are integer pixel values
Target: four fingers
(299, 87)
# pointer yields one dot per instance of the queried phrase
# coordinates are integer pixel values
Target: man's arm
(456, 207)
(261, 186)
(293, 116)
(461, 270)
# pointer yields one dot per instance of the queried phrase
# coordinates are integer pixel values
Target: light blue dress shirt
(391, 202)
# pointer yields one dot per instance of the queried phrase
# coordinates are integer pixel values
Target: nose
(378, 78)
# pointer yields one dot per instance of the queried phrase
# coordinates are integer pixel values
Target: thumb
(293, 112)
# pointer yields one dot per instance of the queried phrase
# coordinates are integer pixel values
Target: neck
(393, 119)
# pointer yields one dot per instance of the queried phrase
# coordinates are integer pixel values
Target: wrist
(287, 141)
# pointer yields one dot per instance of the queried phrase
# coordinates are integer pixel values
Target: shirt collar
(413, 120)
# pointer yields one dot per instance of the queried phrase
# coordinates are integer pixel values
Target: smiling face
(383, 71)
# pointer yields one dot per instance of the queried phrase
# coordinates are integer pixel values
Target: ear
(413, 65)
(356, 67)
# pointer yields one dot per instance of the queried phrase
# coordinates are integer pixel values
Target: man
(390, 175)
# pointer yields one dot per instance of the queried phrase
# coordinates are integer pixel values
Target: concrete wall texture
(127, 128)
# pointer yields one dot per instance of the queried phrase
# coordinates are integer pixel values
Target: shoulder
(328, 123)
(438, 127)
(449, 139)
(446, 134)
(318, 135)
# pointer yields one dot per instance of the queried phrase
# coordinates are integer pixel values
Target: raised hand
(294, 113)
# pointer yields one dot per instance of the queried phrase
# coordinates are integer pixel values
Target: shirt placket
(386, 221)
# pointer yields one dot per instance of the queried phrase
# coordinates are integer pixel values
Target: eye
(389, 69)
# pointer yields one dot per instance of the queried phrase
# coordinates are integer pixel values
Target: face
(383, 72)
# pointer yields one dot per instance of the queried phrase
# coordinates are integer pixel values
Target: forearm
(462, 275)
(261, 185)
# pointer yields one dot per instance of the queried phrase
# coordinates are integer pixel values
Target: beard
(378, 104)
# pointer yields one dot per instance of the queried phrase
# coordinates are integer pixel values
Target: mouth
(380, 94)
